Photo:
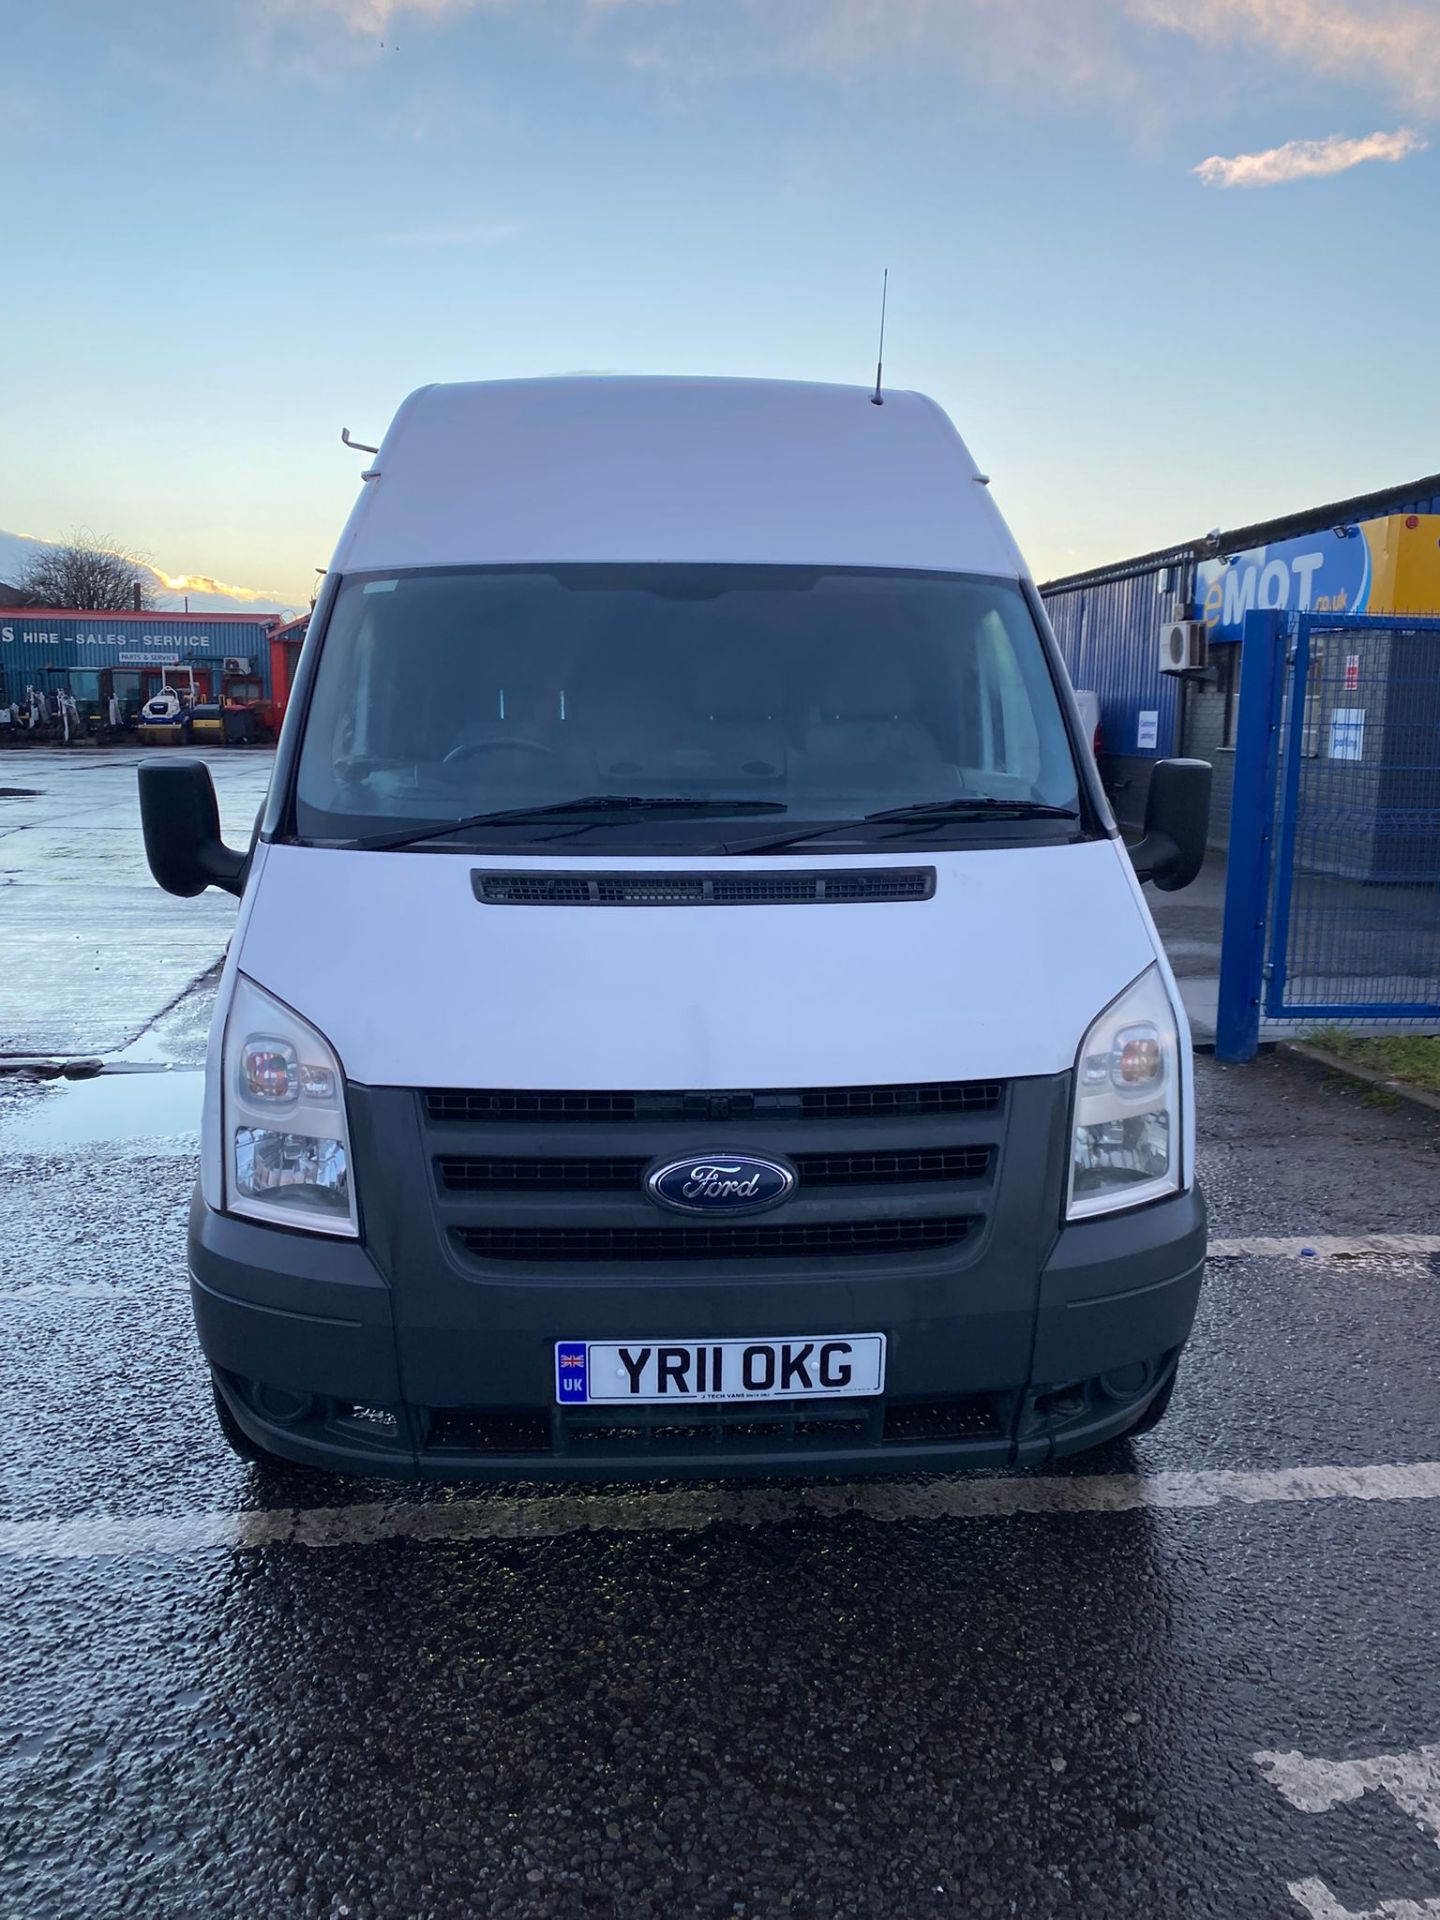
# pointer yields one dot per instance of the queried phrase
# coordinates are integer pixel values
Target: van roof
(610, 468)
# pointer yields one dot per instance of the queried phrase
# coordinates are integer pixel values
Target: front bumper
(302, 1335)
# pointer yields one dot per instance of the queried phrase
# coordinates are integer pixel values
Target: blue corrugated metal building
(133, 654)
(1108, 623)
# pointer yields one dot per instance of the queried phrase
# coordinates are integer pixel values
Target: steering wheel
(468, 749)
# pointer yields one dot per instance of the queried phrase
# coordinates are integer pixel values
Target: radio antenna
(877, 399)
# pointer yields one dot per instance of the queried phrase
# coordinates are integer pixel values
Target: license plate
(641, 1373)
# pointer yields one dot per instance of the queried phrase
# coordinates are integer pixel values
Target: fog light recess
(283, 1405)
(1127, 1383)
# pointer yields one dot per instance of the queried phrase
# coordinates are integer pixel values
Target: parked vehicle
(165, 717)
(225, 723)
(690, 1010)
(50, 713)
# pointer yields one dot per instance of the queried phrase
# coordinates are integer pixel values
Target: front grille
(477, 1430)
(728, 1428)
(536, 1178)
(817, 1238)
(973, 1419)
(733, 1428)
(892, 1169)
(852, 886)
(504, 1105)
(793, 1423)
(470, 1174)
(459, 1175)
(903, 1103)
(919, 1101)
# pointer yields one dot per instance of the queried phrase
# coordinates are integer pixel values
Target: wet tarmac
(1121, 1688)
(93, 950)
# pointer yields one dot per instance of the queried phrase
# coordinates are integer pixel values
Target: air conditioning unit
(1183, 647)
(237, 663)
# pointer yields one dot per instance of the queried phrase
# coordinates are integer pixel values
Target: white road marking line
(547, 1516)
(1411, 1780)
(1321, 1904)
(1331, 1246)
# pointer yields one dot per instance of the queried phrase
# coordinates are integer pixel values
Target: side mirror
(181, 821)
(1177, 824)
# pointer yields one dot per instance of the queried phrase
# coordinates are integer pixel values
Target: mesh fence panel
(1355, 910)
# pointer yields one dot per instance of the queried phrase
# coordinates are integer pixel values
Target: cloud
(205, 594)
(203, 584)
(1082, 43)
(375, 16)
(1393, 42)
(481, 234)
(1103, 52)
(1307, 159)
(1066, 45)
(1088, 48)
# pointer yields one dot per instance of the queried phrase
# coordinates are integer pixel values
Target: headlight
(287, 1149)
(1125, 1148)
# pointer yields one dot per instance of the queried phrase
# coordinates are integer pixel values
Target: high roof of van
(610, 468)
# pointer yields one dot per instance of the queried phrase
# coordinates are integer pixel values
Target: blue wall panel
(1108, 621)
(1109, 634)
(30, 642)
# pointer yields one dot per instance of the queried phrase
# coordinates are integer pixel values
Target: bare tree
(89, 573)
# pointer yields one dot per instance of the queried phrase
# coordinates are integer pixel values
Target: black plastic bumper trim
(282, 1313)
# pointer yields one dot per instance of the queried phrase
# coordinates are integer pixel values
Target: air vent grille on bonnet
(848, 886)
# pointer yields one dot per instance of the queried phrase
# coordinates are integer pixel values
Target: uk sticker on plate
(652, 1373)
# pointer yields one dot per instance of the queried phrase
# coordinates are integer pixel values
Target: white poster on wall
(1347, 733)
(1148, 732)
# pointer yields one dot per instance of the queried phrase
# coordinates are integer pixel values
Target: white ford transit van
(690, 1010)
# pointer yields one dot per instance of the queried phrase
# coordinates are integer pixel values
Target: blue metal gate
(1332, 904)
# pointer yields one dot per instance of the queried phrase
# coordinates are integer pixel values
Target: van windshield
(693, 698)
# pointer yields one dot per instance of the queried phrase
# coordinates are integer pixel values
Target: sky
(1168, 264)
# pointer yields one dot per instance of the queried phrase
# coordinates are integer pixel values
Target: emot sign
(1326, 572)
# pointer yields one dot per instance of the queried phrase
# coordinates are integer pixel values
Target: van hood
(417, 984)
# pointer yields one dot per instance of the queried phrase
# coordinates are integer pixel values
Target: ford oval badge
(719, 1183)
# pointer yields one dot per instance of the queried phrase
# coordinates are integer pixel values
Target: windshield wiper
(583, 804)
(976, 806)
(927, 813)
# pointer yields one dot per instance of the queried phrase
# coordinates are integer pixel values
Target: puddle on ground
(180, 1036)
(160, 1110)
